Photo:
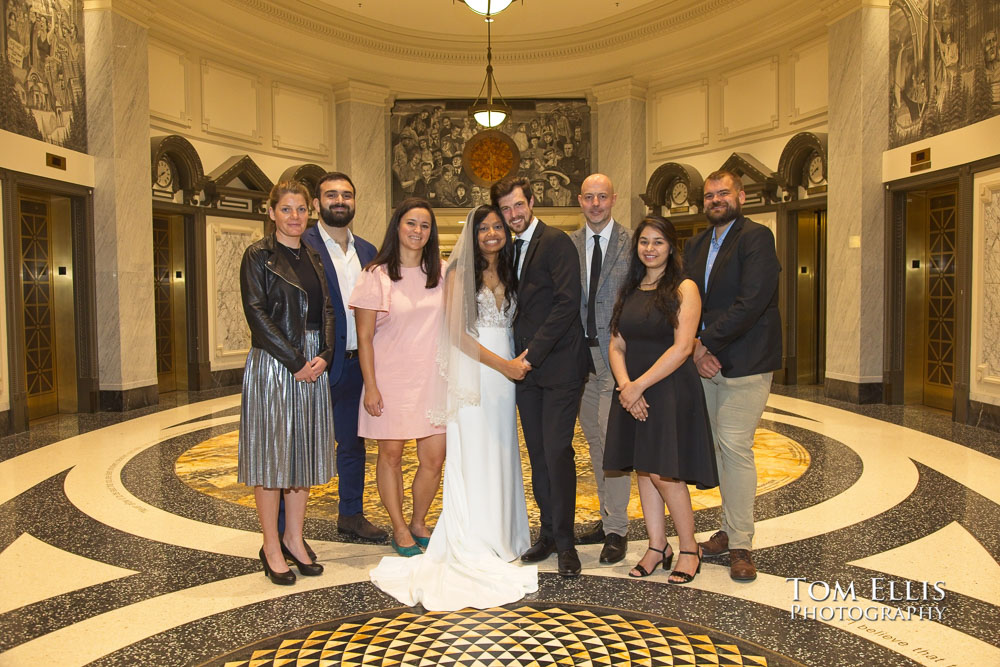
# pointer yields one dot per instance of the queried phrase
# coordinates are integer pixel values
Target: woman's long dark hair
(505, 258)
(388, 254)
(666, 298)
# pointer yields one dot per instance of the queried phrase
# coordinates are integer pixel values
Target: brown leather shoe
(741, 567)
(358, 526)
(716, 545)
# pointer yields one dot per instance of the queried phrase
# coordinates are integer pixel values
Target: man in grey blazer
(604, 247)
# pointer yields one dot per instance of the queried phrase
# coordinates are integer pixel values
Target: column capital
(140, 11)
(358, 91)
(622, 89)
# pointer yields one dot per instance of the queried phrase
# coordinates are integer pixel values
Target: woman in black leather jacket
(286, 427)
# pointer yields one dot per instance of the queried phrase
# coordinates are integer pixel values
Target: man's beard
(337, 218)
(723, 216)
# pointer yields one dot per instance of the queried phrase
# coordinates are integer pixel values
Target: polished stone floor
(125, 540)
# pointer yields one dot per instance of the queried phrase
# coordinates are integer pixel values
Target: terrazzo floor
(128, 542)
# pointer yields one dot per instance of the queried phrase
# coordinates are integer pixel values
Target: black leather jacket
(276, 305)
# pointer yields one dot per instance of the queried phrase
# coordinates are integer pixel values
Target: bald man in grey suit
(600, 289)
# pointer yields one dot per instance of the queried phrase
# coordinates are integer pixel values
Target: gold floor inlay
(210, 467)
(506, 637)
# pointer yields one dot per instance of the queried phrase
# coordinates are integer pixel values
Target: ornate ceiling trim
(385, 39)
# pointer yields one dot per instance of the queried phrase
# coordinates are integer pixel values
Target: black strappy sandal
(685, 578)
(667, 560)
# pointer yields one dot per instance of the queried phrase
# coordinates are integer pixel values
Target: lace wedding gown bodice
(489, 314)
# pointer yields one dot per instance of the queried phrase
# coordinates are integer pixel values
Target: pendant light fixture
(489, 113)
(487, 7)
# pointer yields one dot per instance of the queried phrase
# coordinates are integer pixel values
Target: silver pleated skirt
(286, 426)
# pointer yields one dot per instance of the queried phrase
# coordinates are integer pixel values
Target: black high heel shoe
(684, 577)
(286, 578)
(667, 560)
(305, 569)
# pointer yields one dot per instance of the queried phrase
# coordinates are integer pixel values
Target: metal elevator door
(929, 364)
(169, 303)
(47, 302)
(810, 296)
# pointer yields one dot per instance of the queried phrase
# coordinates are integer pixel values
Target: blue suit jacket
(366, 253)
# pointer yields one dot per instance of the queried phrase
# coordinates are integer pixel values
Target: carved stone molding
(357, 91)
(140, 11)
(623, 89)
(328, 22)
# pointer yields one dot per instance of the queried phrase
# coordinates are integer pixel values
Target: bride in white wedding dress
(484, 523)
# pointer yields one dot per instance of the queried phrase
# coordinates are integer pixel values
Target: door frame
(788, 254)
(895, 279)
(84, 293)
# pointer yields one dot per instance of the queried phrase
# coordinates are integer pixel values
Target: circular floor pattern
(526, 635)
(210, 468)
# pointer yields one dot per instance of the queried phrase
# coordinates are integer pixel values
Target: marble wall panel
(169, 84)
(118, 134)
(362, 140)
(300, 119)
(855, 223)
(230, 101)
(985, 353)
(621, 145)
(679, 118)
(750, 99)
(809, 80)
(228, 334)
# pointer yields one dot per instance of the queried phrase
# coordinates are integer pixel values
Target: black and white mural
(429, 138)
(42, 86)
(944, 66)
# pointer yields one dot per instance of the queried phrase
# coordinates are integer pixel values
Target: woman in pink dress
(398, 303)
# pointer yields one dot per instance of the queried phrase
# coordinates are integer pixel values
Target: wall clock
(815, 169)
(164, 174)
(679, 193)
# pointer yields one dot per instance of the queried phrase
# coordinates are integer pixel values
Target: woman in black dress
(659, 426)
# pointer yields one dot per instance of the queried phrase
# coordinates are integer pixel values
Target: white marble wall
(985, 353)
(118, 132)
(228, 334)
(362, 140)
(621, 144)
(858, 80)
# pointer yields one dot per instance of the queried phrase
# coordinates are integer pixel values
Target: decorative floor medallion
(520, 637)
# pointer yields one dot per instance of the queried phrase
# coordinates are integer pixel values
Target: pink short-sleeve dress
(405, 342)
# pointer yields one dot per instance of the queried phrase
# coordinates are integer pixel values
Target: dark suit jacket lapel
(725, 251)
(580, 241)
(536, 237)
(315, 241)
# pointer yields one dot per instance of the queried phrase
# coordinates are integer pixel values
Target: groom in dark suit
(547, 325)
(344, 255)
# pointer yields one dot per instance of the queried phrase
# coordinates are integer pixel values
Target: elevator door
(169, 303)
(931, 227)
(810, 297)
(47, 303)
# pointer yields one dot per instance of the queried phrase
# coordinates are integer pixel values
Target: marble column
(363, 152)
(621, 144)
(858, 93)
(118, 135)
